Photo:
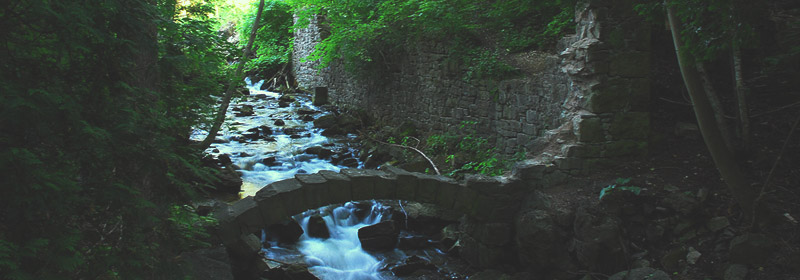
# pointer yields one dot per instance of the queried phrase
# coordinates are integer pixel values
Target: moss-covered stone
(590, 130)
(611, 97)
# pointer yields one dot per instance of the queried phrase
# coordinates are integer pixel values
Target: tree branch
(435, 169)
(226, 100)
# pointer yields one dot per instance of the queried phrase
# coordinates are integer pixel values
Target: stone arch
(486, 200)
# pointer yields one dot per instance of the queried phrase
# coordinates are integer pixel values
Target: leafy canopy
(98, 100)
(368, 34)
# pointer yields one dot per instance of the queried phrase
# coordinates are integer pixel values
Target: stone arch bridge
(490, 202)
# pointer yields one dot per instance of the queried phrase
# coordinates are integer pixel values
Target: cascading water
(263, 151)
(340, 256)
(280, 154)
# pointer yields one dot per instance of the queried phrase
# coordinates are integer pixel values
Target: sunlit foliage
(365, 33)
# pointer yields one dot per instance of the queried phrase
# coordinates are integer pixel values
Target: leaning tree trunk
(723, 157)
(716, 105)
(741, 93)
(226, 100)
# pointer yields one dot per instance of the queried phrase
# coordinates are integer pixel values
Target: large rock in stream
(243, 111)
(289, 272)
(284, 233)
(378, 237)
(317, 228)
(411, 265)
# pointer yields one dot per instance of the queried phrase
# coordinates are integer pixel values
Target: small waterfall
(340, 256)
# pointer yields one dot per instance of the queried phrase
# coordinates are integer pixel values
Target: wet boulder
(243, 111)
(240, 139)
(229, 181)
(289, 272)
(361, 209)
(251, 135)
(319, 151)
(270, 161)
(284, 233)
(350, 162)
(326, 121)
(307, 118)
(378, 237)
(279, 122)
(412, 265)
(407, 242)
(303, 158)
(224, 159)
(293, 130)
(264, 130)
(304, 111)
(317, 228)
(333, 131)
(286, 98)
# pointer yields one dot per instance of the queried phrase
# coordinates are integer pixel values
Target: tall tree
(722, 155)
(97, 98)
(226, 100)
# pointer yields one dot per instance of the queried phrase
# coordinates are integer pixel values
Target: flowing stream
(269, 137)
(271, 143)
(340, 256)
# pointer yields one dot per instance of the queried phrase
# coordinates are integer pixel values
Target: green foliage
(620, 186)
(190, 227)
(485, 64)
(711, 28)
(274, 41)
(99, 97)
(370, 35)
(469, 153)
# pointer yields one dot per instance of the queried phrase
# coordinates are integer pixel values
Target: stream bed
(268, 137)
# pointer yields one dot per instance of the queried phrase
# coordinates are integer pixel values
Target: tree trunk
(723, 157)
(741, 92)
(716, 105)
(226, 100)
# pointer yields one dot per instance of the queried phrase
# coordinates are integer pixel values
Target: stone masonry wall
(576, 109)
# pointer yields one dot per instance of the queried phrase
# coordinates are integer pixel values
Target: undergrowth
(457, 154)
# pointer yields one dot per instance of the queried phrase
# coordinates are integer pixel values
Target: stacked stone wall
(578, 109)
